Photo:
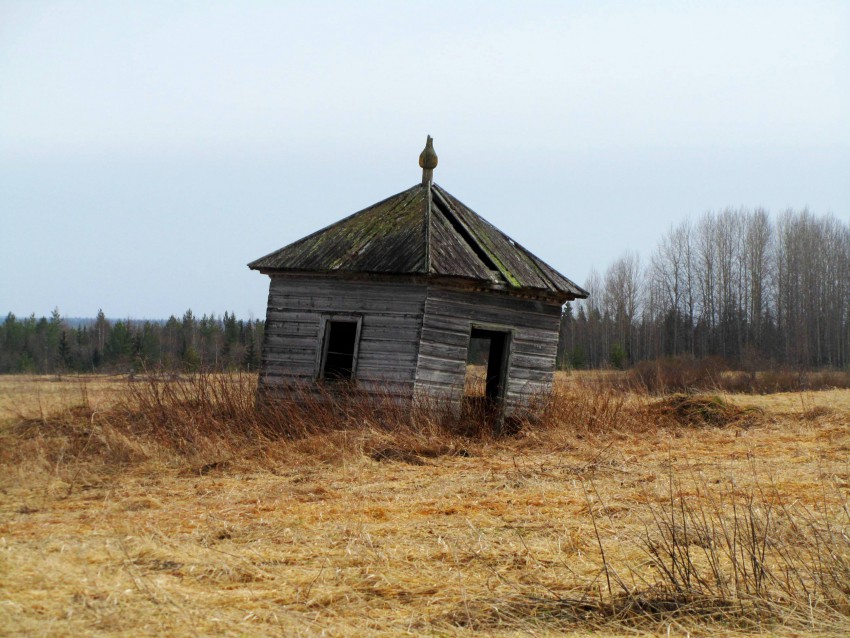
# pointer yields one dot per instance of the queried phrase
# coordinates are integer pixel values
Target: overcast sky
(149, 150)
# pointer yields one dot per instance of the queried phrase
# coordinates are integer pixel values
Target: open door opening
(487, 373)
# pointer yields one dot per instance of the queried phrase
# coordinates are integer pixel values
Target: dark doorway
(487, 371)
(340, 346)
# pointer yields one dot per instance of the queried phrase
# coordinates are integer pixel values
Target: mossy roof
(421, 231)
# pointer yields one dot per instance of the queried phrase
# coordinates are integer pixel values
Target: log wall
(449, 317)
(389, 334)
(414, 337)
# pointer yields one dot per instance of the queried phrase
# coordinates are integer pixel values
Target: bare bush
(677, 374)
(685, 374)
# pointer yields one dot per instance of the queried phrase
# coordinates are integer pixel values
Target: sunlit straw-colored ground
(306, 541)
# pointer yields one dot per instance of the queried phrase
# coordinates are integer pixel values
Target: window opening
(339, 350)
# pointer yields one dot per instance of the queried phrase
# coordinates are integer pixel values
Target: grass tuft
(703, 411)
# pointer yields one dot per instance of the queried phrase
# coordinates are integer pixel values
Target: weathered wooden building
(391, 298)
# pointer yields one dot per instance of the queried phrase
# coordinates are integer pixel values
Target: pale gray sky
(148, 150)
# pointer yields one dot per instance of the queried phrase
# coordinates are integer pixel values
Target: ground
(362, 533)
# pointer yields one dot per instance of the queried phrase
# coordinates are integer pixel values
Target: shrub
(677, 374)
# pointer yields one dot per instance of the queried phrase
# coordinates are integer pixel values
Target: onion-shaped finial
(428, 161)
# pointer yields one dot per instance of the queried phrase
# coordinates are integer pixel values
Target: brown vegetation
(713, 374)
(174, 507)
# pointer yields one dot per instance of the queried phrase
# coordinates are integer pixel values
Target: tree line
(49, 345)
(737, 284)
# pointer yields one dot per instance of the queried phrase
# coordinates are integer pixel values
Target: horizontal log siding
(389, 333)
(449, 316)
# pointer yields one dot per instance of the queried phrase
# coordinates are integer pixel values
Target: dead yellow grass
(36, 395)
(796, 403)
(330, 534)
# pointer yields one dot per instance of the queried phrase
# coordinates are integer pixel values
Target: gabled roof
(421, 231)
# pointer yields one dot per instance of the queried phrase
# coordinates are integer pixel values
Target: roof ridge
(468, 236)
(535, 261)
(427, 216)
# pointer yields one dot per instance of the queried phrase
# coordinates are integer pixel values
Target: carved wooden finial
(428, 161)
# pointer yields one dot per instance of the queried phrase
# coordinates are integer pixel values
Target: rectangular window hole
(339, 352)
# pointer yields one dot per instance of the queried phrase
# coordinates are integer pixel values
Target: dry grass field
(153, 508)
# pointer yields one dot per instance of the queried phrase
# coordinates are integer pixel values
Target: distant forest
(49, 345)
(740, 285)
(737, 285)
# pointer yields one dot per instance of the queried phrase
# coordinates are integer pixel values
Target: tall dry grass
(743, 559)
(707, 554)
(714, 374)
(207, 419)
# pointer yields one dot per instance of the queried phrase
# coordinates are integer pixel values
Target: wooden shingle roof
(421, 231)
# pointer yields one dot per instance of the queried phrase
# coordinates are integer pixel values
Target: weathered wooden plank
(521, 387)
(536, 347)
(540, 354)
(344, 305)
(463, 325)
(385, 391)
(382, 364)
(403, 334)
(529, 335)
(460, 325)
(482, 315)
(506, 301)
(530, 374)
(343, 292)
(533, 362)
(443, 351)
(365, 368)
(454, 366)
(371, 328)
(348, 292)
(377, 364)
(383, 375)
(284, 315)
(488, 316)
(324, 282)
(437, 384)
(387, 351)
(392, 321)
(504, 306)
(383, 343)
(319, 284)
(346, 296)
(373, 319)
(448, 337)
(390, 383)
